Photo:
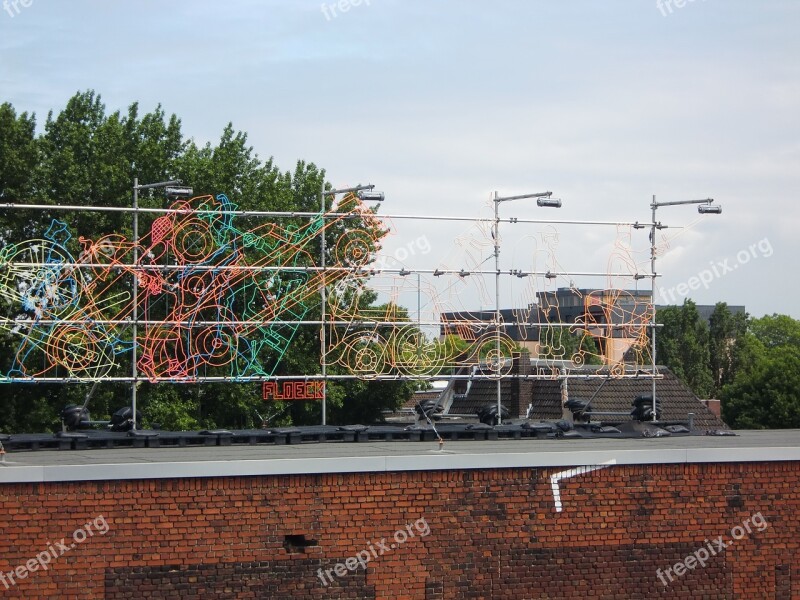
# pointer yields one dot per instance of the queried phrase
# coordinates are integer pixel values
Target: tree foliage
(682, 343)
(765, 390)
(752, 365)
(776, 331)
(726, 332)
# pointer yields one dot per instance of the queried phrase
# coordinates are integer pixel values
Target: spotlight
(370, 196)
(709, 209)
(178, 192)
(549, 202)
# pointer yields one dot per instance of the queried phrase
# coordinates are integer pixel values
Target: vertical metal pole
(497, 304)
(419, 319)
(322, 340)
(565, 414)
(653, 206)
(135, 296)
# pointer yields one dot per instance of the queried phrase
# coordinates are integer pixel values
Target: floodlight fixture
(549, 202)
(370, 196)
(178, 192)
(709, 209)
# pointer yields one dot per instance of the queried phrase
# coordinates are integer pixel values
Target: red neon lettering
(293, 390)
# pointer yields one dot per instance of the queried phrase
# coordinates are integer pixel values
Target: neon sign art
(293, 390)
(210, 295)
(215, 300)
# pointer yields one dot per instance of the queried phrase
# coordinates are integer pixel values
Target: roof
(481, 393)
(676, 399)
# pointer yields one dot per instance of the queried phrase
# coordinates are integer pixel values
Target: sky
(441, 103)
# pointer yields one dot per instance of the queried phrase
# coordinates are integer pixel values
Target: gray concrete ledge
(373, 457)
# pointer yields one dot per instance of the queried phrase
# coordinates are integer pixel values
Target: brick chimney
(714, 406)
(522, 389)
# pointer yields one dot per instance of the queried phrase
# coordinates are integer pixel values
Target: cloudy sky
(440, 103)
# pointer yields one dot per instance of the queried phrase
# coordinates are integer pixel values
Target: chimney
(522, 393)
(714, 406)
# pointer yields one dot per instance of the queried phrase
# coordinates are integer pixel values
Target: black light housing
(122, 420)
(488, 414)
(75, 417)
(430, 409)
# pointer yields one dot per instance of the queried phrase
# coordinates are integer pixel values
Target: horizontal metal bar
(358, 270)
(358, 188)
(259, 379)
(5, 321)
(293, 214)
(193, 267)
(678, 202)
(160, 184)
(523, 197)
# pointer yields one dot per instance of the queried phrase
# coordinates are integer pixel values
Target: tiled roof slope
(616, 395)
(481, 393)
(676, 399)
(421, 396)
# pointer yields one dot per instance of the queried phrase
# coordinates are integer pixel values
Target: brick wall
(492, 534)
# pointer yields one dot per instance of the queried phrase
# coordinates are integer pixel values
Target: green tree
(170, 407)
(726, 333)
(682, 344)
(765, 391)
(19, 154)
(767, 394)
(20, 160)
(776, 330)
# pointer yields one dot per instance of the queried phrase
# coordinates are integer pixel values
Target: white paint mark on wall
(555, 478)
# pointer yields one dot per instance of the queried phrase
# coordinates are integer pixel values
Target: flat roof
(377, 456)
